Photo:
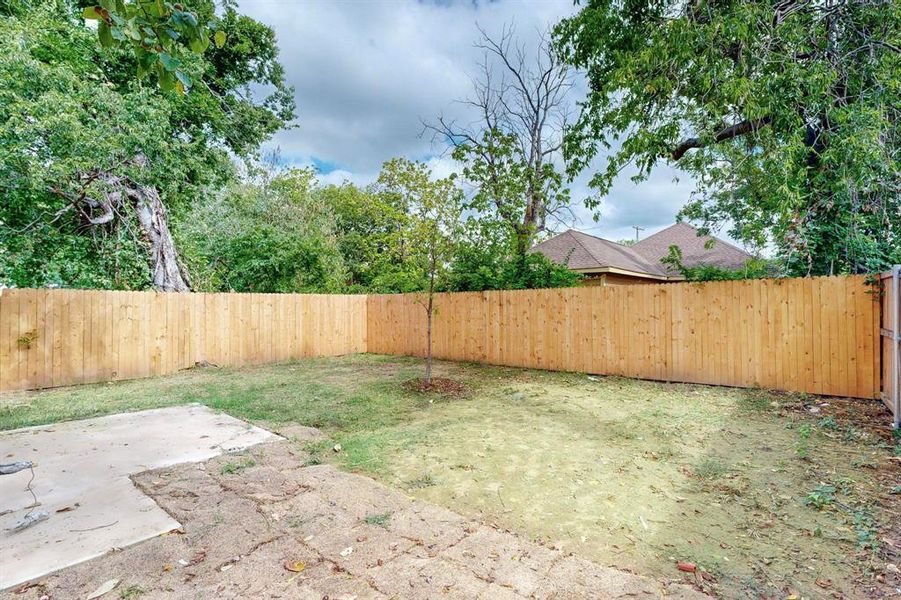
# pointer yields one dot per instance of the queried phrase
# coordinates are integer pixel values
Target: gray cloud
(365, 73)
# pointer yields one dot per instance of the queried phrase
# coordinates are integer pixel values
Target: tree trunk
(168, 274)
(430, 306)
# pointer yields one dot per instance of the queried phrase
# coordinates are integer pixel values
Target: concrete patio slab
(81, 478)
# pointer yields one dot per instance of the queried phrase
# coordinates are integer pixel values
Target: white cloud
(367, 73)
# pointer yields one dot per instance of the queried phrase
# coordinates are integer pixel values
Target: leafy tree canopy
(786, 113)
(74, 120)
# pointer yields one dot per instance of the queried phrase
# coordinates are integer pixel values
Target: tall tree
(433, 209)
(511, 153)
(786, 113)
(93, 163)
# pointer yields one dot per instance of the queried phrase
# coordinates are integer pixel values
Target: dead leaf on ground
(295, 566)
(107, 586)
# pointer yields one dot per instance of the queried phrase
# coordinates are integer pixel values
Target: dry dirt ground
(266, 524)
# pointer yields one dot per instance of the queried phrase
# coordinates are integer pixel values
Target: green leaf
(199, 44)
(220, 38)
(92, 13)
(103, 32)
(169, 62)
(166, 79)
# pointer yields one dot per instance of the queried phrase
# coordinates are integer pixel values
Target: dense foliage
(486, 258)
(786, 113)
(73, 117)
(273, 232)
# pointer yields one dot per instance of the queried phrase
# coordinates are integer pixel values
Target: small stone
(337, 448)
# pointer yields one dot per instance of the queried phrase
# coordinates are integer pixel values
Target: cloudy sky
(367, 73)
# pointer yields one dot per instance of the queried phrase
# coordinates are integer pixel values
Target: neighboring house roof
(694, 248)
(589, 254)
(582, 252)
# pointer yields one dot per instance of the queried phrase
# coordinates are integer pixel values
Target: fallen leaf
(198, 557)
(295, 566)
(108, 586)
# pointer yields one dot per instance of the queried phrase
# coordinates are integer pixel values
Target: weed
(131, 591)
(380, 519)
(235, 467)
(866, 530)
(828, 423)
(421, 482)
(710, 468)
(821, 496)
(802, 447)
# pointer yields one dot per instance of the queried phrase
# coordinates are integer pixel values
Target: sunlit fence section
(54, 337)
(817, 335)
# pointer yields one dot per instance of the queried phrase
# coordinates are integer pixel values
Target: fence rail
(817, 335)
(52, 338)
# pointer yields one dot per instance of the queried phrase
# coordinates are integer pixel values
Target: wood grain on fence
(817, 335)
(52, 337)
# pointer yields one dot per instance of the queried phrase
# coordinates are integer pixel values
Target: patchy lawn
(770, 494)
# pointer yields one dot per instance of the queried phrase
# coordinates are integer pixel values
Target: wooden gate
(891, 342)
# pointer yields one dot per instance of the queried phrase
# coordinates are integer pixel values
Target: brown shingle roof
(580, 251)
(694, 251)
(585, 251)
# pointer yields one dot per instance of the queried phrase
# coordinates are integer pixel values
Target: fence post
(896, 346)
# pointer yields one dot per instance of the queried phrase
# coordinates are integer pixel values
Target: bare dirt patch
(438, 385)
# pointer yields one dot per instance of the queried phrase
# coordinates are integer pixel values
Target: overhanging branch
(734, 131)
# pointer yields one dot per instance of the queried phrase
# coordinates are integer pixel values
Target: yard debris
(295, 566)
(15, 467)
(347, 552)
(337, 448)
(107, 586)
(32, 518)
(687, 567)
(68, 508)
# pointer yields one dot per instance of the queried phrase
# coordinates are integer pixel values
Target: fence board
(812, 335)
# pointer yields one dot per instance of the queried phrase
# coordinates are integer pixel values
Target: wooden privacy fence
(818, 335)
(62, 337)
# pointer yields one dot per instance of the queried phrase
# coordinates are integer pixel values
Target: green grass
(237, 466)
(347, 394)
(380, 520)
